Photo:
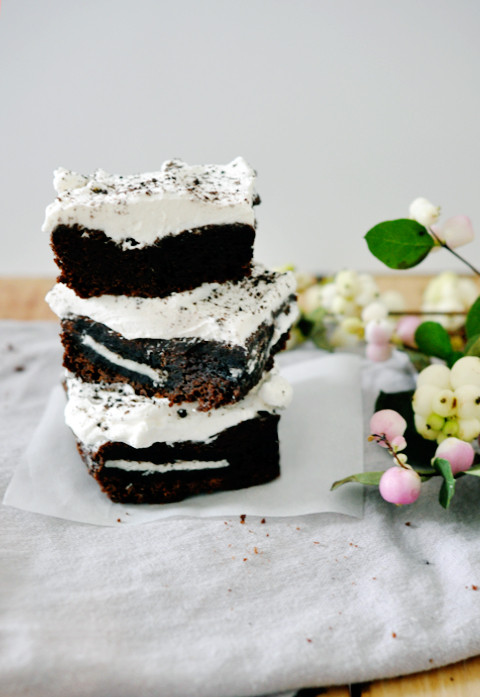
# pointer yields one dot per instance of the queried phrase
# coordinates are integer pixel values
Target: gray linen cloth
(216, 608)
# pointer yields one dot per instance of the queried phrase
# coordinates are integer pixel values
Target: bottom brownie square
(241, 456)
(145, 450)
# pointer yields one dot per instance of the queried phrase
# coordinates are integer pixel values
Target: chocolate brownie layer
(92, 264)
(241, 456)
(210, 372)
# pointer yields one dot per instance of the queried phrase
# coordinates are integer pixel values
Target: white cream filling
(157, 376)
(177, 466)
(145, 207)
(113, 412)
(227, 312)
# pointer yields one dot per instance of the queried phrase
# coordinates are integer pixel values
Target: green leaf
(319, 336)
(426, 472)
(472, 323)
(400, 244)
(367, 478)
(472, 347)
(316, 316)
(447, 489)
(434, 340)
(312, 326)
(419, 451)
(475, 471)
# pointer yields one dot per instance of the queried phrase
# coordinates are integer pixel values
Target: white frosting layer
(145, 207)
(228, 312)
(177, 466)
(107, 412)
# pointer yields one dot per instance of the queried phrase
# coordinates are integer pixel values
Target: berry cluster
(451, 294)
(378, 332)
(401, 484)
(446, 402)
(356, 309)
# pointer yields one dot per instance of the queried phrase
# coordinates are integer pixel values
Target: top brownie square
(153, 234)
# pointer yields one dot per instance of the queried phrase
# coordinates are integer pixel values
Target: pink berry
(378, 331)
(399, 443)
(455, 231)
(378, 352)
(388, 423)
(406, 328)
(399, 485)
(459, 454)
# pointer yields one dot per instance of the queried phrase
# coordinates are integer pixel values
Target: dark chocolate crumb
(242, 518)
(19, 368)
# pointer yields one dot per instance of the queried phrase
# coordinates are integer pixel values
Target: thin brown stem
(382, 438)
(400, 313)
(452, 251)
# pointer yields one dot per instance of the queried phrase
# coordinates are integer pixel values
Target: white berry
(425, 212)
(444, 403)
(423, 398)
(347, 284)
(465, 371)
(423, 429)
(435, 374)
(375, 310)
(468, 429)
(468, 401)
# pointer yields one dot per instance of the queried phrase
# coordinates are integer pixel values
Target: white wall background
(348, 109)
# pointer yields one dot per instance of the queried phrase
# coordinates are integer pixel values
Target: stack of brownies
(169, 330)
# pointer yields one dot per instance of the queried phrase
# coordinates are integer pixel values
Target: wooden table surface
(23, 298)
